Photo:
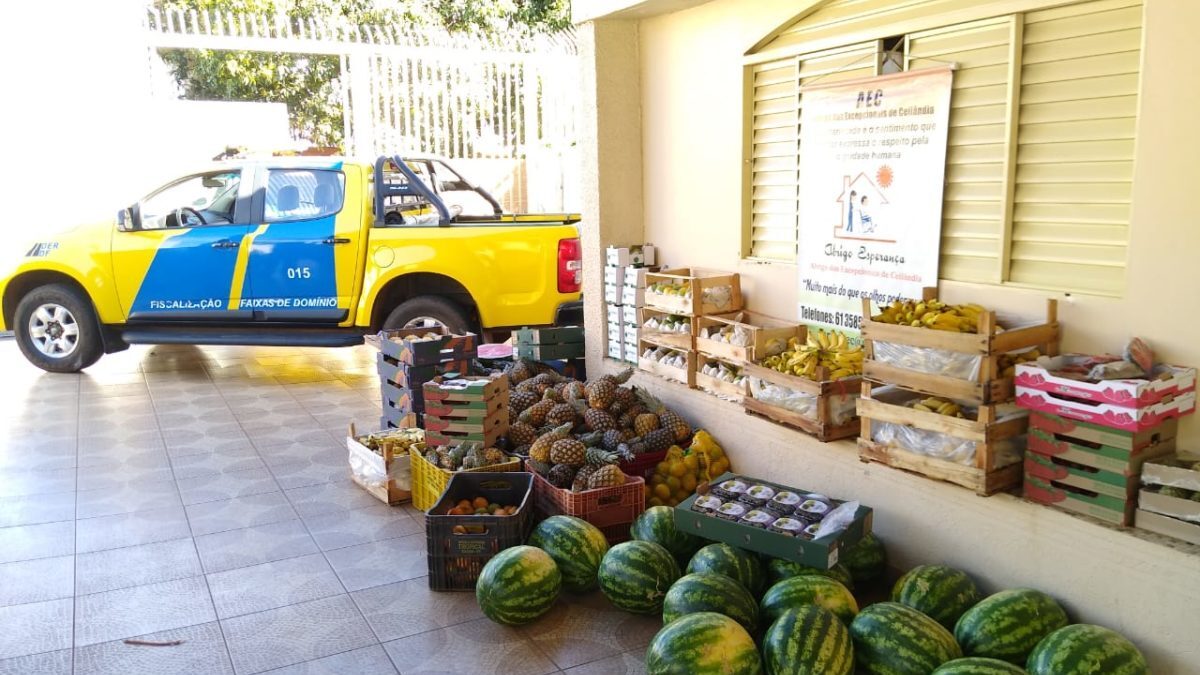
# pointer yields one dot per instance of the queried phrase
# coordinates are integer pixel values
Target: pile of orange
(480, 506)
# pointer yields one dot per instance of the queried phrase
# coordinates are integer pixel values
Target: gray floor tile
(625, 663)
(373, 523)
(581, 630)
(127, 499)
(123, 613)
(136, 566)
(124, 439)
(238, 458)
(113, 476)
(205, 446)
(46, 458)
(202, 652)
(115, 462)
(373, 660)
(203, 433)
(216, 487)
(21, 482)
(234, 514)
(37, 580)
(35, 509)
(380, 562)
(474, 647)
(336, 497)
(272, 585)
(254, 545)
(300, 465)
(409, 607)
(294, 634)
(131, 529)
(35, 628)
(26, 542)
(46, 663)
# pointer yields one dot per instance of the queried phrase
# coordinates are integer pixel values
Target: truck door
(304, 249)
(180, 260)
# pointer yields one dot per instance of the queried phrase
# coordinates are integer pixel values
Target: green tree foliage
(308, 83)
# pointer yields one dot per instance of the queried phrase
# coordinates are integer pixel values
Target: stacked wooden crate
(405, 364)
(681, 297)
(466, 409)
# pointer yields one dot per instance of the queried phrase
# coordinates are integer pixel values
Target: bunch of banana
(940, 406)
(932, 314)
(1008, 362)
(829, 349)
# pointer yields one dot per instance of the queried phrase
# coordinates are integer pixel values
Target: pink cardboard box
(1107, 414)
(1041, 375)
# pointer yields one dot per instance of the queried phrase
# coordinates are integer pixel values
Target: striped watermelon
(895, 639)
(808, 589)
(711, 592)
(866, 561)
(704, 643)
(779, 569)
(941, 593)
(1009, 624)
(808, 639)
(740, 565)
(1084, 648)
(636, 575)
(577, 547)
(978, 665)
(518, 585)
(657, 524)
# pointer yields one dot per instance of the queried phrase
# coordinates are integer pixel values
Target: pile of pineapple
(676, 477)
(398, 441)
(465, 455)
(575, 434)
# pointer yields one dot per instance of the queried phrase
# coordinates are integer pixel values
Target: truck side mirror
(128, 219)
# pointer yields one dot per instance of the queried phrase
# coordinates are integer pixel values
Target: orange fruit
(662, 491)
(678, 469)
(459, 529)
(464, 503)
(688, 483)
(480, 503)
(692, 462)
(655, 501)
(673, 483)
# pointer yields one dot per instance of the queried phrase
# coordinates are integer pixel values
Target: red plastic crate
(643, 464)
(602, 507)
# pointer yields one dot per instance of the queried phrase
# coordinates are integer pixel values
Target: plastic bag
(841, 407)
(943, 446)
(837, 519)
(928, 360)
(367, 467)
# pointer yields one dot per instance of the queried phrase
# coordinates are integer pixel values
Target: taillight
(570, 266)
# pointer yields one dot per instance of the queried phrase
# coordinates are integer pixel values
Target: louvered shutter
(773, 160)
(1079, 87)
(974, 196)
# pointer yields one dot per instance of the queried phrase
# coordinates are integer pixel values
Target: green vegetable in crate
(709, 592)
(704, 643)
(1083, 649)
(867, 560)
(1177, 492)
(635, 576)
(657, 524)
(779, 569)
(518, 585)
(1009, 624)
(808, 589)
(738, 564)
(576, 546)
(942, 593)
(978, 665)
(895, 639)
(808, 639)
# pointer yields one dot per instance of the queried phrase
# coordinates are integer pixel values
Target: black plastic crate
(456, 560)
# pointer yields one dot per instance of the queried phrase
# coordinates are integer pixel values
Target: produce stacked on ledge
(724, 372)
(669, 323)
(830, 350)
(932, 314)
(941, 406)
(667, 357)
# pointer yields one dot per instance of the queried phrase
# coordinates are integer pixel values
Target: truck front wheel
(427, 311)
(57, 330)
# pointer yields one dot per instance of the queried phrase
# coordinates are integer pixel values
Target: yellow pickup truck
(310, 251)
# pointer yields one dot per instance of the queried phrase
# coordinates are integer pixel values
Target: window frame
(241, 203)
(263, 175)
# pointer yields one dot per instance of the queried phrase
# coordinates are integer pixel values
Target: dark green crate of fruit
(555, 352)
(821, 553)
(550, 336)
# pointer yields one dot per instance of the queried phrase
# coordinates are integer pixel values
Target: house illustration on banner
(860, 209)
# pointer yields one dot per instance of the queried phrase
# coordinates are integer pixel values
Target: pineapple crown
(599, 456)
(592, 439)
(623, 376)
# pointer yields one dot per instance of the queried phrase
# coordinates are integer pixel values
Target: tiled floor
(201, 495)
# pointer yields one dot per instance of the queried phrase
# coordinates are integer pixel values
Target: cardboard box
(632, 296)
(1084, 432)
(631, 353)
(614, 275)
(614, 313)
(1110, 509)
(1103, 457)
(550, 336)
(823, 553)
(1175, 507)
(1080, 476)
(1106, 414)
(1040, 375)
(615, 332)
(636, 276)
(612, 294)
(629, 316)
(558, 352)
(1171, 527)
(1174, 469)
(622, 256)
(616, 350)
(629, 334)
(369, 468)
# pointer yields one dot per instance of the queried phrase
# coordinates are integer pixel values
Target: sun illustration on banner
(884, 176)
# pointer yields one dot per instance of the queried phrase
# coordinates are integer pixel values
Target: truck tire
(428, 310)
(57, 330)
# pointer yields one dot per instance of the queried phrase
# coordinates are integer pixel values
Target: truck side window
(303, 194)
(185, 202)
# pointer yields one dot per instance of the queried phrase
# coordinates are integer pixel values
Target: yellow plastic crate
(429, 481)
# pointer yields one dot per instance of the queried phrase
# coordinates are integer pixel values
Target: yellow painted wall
(691, 129)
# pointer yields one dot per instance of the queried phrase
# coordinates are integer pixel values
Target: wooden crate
(716, 386)
(699, 280)
(990, 386)
(683, 375)
(824, 428)
(676, 340)
(985, 476)
(386, 462)
(762, 329)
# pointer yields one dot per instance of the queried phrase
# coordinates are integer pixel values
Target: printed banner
(872, 163)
